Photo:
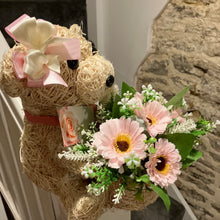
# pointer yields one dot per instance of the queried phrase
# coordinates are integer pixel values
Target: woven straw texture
(40, 144)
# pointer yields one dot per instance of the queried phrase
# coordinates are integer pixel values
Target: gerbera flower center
(123, 143)
(151, 119)
(162, 165)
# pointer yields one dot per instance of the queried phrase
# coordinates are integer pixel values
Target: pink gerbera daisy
(177, 114)
(164, 165)
(156, 116)
(117, 138)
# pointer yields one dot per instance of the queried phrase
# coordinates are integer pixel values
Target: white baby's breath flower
(123, 101)
(143, 87)
(149, 87)
(127, 94)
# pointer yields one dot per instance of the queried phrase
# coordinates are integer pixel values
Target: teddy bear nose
(73, 64)
(110, 80)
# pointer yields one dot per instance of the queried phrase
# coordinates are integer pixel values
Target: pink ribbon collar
(41, 63)
(42, 119)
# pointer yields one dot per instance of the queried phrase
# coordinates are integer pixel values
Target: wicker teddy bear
(49, 67)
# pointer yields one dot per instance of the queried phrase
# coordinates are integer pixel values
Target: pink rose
(68, 125)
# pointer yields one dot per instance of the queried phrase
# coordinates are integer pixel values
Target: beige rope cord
(40, 144)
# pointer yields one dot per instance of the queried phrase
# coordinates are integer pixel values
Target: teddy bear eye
(73, 64)
(110, 80)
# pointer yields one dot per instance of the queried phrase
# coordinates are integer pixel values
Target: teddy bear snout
(110, 81)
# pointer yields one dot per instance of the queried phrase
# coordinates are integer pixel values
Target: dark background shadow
(62, 12)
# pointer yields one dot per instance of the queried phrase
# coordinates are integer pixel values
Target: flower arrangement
(140, 140)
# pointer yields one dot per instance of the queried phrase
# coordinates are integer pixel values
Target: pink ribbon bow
(41, 63)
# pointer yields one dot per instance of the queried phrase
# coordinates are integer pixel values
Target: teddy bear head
(76, 79)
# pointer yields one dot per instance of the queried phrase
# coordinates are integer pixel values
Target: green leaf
(198, 133)
(183, 142)
(92, 175)
(191, 158)
(139, 195)
(116, 107)
(144, 178)
(176, 101)
(152, 150)
(109, 104)
(163, 195)
(132, 183)
(125, 87)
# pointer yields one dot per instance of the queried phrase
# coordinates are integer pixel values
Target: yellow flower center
(123, 143)
(162, 165)
(151, 119)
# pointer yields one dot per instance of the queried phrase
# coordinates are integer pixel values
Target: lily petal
(34, 64)
(33, 33)
(53, 63)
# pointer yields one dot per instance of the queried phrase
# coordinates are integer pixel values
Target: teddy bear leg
(41, 169)
(48, 181)
(78, 203)
(87, 207)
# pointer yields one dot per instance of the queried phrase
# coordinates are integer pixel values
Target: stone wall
(186, 51)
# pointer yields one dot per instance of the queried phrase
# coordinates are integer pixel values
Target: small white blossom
(85, 174)
(118, 195)
(83, 132)
(132, 160)
(190, 114)
(127, 94)
(217, 122)
(143, 87)
(121, 170)
(124, 107)
(132, 176)
(151, 94)
(150, 87)
(94, 190)
(123, 101)
(184, 127)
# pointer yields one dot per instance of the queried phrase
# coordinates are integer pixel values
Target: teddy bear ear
(8, 80)
(75, 29)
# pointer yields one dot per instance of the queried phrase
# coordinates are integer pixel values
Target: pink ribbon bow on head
(41, 63)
